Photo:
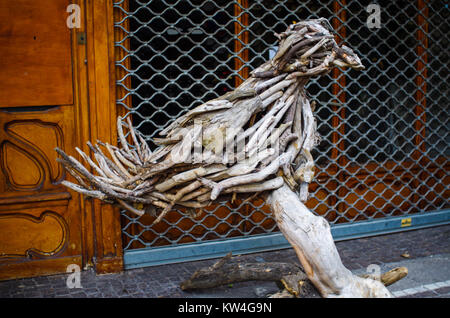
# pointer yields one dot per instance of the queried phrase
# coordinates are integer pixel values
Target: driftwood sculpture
(256, 139)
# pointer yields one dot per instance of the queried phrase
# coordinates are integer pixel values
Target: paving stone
(80, 294)
(427, 294)
(443, 291)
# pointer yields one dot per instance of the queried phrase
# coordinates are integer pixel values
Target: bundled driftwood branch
(247, 141)
(255, 139)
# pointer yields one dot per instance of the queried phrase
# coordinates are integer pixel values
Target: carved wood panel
(39, 218)
(21, 229)
(39, 237)
(27, 156)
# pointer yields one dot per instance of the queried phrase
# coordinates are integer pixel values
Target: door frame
(96, 119)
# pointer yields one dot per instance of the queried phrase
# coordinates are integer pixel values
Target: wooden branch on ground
(225, 272)
(389, 277)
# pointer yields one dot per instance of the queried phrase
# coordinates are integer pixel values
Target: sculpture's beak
(348, 58)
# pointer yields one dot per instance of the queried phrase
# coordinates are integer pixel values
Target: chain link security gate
(383, 162)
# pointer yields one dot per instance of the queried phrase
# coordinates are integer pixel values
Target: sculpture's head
(308, 48)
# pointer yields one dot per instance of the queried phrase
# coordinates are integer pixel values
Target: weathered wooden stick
(390, 277)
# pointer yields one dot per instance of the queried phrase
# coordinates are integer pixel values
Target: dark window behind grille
(385, 130)
(180, 57)
(381, 99)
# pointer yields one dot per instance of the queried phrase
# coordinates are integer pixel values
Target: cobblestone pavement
(429, 248)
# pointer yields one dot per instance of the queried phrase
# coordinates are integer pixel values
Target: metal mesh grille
(385, 130)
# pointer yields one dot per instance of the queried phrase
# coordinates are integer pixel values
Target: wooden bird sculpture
(255, 139)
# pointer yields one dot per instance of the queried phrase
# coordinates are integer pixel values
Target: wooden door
(40, 221)
(57, 89)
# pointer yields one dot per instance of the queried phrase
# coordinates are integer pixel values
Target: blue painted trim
(203, 250)
(386, 225)
(267, 242)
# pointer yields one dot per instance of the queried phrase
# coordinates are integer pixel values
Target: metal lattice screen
(385, 131)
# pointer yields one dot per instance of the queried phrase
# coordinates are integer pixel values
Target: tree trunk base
(310, 236)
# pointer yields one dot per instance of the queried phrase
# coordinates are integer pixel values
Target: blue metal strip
(267, 242)
(386, 225)
(203, 250)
